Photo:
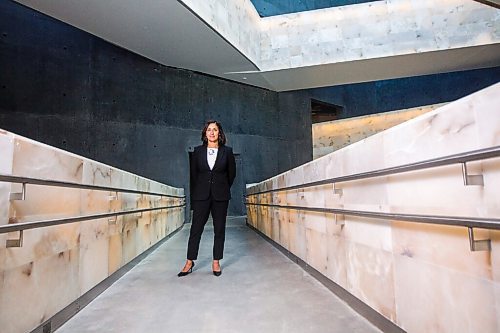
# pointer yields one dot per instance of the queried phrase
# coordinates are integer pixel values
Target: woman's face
(212, 133)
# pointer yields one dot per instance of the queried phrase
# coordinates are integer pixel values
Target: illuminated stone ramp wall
(349, 33)
(422, 277)
(375, 30)
(329, 136)
(58, 264)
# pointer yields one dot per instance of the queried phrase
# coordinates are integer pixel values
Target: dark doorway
(321, 111)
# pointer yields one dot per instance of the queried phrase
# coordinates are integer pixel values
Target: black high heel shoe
(188, 272)
(217, 273)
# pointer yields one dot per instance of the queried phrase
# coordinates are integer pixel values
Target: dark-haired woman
(213, 170)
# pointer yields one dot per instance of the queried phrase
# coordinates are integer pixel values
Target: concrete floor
(260, 290)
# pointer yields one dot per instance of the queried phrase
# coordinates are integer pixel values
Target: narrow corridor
(260, 290)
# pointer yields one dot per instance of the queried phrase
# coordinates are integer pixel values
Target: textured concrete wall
(69, 89)
(389, 95)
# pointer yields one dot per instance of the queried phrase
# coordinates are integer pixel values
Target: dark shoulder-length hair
(222, 136)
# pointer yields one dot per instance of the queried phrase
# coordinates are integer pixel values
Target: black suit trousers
(201, 211)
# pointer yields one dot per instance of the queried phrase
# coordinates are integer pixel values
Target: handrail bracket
(478, 245)
(15, 242)
(18, 195)
(469, 180)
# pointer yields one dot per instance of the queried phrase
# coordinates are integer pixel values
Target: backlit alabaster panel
(6, 155)
(373, 30)
(332, 135)
(349, 33)
(58, 264)
(422, 277)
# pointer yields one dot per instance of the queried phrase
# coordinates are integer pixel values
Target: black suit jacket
(217, 181)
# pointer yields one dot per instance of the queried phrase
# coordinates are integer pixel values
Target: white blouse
(211, 156)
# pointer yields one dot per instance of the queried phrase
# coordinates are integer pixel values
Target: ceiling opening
(267, 8)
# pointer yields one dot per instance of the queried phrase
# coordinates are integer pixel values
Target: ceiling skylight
(267, 8)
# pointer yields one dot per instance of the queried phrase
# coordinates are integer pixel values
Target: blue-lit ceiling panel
(278, 7)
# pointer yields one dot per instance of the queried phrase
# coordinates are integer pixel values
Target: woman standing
(213, 170)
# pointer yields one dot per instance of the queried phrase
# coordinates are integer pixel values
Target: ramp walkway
(260, 290)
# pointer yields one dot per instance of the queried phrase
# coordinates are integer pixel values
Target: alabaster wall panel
(334, 166)
(266, 220)
(43, 161)
(448, 130)
(283, 238)
(497, 304)
(370, 277)
(317, 250)
(314, 172)
(451, 129)
(95, 173)
(434, 298)
(94, 261)
(376, 233)
(491, 173)
(32, 292)
(389, 28)
(96, 201)
(144, 232)
(129, 241)
(252, 210)
(453, 197)
(297, 234)
(294, 177)
(7, 149)
(94, 242)
(115, 255)
(275, 224)
(443, 246)
(42, 243)
(485, 108)
(336, 255)
(332, 135)
(494, 235)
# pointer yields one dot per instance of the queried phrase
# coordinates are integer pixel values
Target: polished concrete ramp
(260, 290)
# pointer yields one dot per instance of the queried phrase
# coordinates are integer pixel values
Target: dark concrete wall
(69, 89)
(396, 94)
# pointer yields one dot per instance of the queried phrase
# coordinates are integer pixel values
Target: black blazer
(217, 181)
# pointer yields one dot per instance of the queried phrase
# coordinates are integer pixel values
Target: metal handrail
(48, 182)
(462, 158)
(46, 223)
(471, 222)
